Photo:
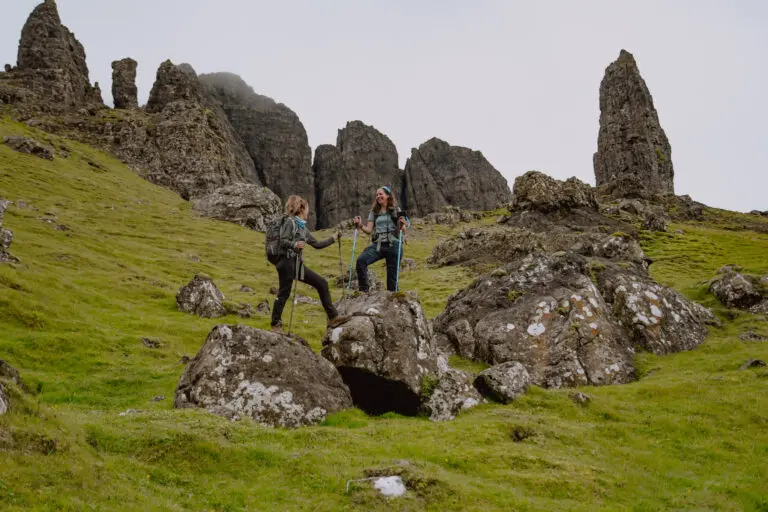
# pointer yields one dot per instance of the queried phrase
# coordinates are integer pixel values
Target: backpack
(272, 244)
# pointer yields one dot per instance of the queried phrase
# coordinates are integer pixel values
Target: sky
(517, 80)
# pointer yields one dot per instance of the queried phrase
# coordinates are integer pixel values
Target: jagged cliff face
(51, 62)
(634, 158)
(124, 90)
(438, 175)
(272, 133)
(348, 174)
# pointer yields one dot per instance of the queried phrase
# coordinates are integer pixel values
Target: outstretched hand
(299, 245)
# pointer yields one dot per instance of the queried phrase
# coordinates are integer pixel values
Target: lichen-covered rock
(447, 216)
(503, 382)
(6, 236)
(735, 290)
(29, 146)
(201, 297)
(348, 174)
(633, 158)
(5, 401)
(544, 312)
(374, 284)
(655, 220)
(273, 379)
(452, 393)
(438, 175)
(124, 90)
(537, 191)
(273, 135)
(10, 374)
(384, 352)
(252, 206)
(658, 319)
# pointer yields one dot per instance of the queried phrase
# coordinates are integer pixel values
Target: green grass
(692, 434)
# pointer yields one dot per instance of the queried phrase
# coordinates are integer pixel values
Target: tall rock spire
(633, 158)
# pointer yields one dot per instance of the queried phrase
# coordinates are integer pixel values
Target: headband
(386, 189)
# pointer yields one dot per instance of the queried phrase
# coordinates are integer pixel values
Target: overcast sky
(517, 80)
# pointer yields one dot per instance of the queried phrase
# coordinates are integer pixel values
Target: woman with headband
(384, 223)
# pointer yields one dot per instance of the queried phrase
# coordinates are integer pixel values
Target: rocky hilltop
(633, 158)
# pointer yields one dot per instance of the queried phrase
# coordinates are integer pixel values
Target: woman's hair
(391, 202)
(295, 205)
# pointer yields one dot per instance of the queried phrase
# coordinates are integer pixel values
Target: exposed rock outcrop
(570, 302)
(29, 146)
(273, 135)
(740, 290)
(125, 94)
(348, 174)
(438, 174)
(6, 236)
(452, 393)
(633, 158)
(503, 382)
(273, 379)
(51, 67)
(201, 297)
(252, 206)
(10, 374)
(384, 352)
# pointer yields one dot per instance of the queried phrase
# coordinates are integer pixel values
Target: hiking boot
(337, 321)
(277, 328)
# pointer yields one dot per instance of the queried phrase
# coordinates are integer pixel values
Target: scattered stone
(407, 264)
(303, 299)
(128, 412)
(124, 90)
(452, 393)
(201, 297)
(151, 342)
(656, 220)
(390, 486)
(158, 398)
(679, 232)
(185, 359)
(520, 433)
(384, 352)
(633, 158)
(752, 363)
(29, 146)
(246, 289)
(503, 382)
(580, 398)
(438, 175)
(245, 310)
(6, 236)
(752, 336)
(273, 290)
(447, 216)
(5, 401)
(252, 206)
(263, 307)
(374, 284)
(273, 379)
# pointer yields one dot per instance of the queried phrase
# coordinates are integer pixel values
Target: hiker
(386, 223)
(294, 236)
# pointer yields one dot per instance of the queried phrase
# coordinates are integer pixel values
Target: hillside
(102, 254)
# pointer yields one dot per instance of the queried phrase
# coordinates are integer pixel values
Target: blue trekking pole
(351, 262)
(399, 253)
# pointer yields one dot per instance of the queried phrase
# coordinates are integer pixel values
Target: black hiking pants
(286, 272)
(371, 255)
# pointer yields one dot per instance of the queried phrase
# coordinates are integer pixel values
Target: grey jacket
(291, 233)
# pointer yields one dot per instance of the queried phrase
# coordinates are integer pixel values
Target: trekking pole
(295, 285)
(341, 267)
(399, 253)
(351, 262)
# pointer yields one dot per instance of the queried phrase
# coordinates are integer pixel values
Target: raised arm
(319, 245)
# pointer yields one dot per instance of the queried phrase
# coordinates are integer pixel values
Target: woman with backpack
(294, 235)
(385, 223)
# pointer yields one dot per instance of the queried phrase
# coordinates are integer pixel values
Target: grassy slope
(691, 434)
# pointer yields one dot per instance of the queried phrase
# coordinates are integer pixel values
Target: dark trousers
(286, 272)
(371, 255)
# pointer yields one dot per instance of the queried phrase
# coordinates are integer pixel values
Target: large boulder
(5, 401)
(9, 374)
(438, 175)
(124, 90)
(201, 297)
(544, 312)
(273, 135)
(634, 157)
(736, 290)
(6, 235)
(384, 352)
(252, 206)
(503, 382)
(537, 191)
(348, 174)
(273, 379)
